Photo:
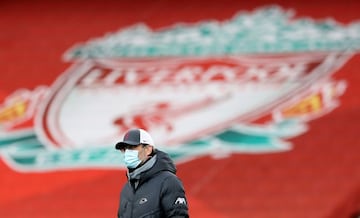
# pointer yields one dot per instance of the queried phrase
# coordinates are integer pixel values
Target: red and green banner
(257, 104)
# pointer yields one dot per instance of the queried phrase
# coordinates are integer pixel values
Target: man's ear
(149, 150)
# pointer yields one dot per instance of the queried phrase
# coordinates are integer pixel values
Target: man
(153, 189)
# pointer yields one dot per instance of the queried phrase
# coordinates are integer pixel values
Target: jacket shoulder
(173, 199)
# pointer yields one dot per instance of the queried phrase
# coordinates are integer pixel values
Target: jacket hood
(163, 163)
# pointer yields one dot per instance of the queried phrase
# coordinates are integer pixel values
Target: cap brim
(123, 144)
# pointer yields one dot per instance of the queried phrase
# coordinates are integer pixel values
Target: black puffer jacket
(153, 191)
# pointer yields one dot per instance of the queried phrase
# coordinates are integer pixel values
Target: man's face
(144, 151)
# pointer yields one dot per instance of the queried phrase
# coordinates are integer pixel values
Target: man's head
(137, 145)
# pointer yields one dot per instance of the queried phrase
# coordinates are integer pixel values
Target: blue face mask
(131, 158)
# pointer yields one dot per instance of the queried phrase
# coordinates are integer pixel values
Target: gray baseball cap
(135, 137)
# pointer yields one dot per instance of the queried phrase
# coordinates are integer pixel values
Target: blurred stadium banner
(256, 103)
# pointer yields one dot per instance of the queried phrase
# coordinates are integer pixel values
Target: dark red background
(319, 178)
